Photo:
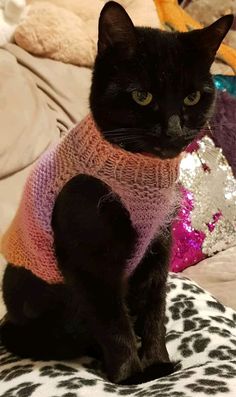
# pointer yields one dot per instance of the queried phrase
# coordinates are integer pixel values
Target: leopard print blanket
(201, 339)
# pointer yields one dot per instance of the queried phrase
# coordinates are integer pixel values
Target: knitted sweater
(145, 185)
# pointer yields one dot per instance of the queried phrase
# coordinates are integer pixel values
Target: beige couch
(40, 100)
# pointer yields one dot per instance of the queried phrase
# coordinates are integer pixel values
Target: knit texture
(145, 185)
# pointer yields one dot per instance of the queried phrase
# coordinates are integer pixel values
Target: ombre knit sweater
(145, 185)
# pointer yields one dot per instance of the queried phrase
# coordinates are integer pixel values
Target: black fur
(170, 66)
(97, 310)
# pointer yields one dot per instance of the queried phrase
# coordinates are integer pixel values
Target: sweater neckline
(101, 157)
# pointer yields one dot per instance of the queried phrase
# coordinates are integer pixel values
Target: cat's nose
(155, 131)
(174, 129)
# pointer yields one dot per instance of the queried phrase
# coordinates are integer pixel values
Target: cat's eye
(143, 98)
(192, 99)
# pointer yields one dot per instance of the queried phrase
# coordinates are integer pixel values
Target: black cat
(151, 93)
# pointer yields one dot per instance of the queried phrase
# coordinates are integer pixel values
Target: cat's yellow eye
(143, 98)
(192, 99)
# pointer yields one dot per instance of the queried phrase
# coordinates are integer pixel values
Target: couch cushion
(217, 275)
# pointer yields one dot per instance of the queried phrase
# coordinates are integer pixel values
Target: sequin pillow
(206, 223)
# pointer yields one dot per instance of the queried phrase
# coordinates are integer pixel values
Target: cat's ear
(213, 35)
(209, 39)
(116, 29)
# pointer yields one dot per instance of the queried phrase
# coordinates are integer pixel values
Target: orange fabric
(173, 17)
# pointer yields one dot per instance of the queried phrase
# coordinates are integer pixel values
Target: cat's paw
(154, 371)
(127, 369)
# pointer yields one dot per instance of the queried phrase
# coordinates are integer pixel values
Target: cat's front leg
(147, 298)
(93, 239)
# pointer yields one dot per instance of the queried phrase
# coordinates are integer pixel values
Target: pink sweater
(146, 186)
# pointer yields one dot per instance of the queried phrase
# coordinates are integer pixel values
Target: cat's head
(152, 91)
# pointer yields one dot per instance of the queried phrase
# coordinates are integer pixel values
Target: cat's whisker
(125, 131)
(139, 145)
(212, 125)
(124, 138)
(120, 134)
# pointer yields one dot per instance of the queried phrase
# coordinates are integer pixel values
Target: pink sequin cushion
(206, 221)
